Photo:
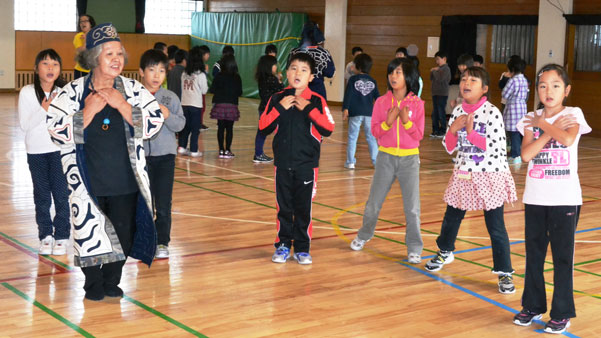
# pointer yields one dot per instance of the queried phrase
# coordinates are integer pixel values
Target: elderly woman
(100, 121)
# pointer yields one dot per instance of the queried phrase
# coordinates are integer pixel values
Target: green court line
(50, 258)
(70, 268)
(163, 316)
(381, 237)
(47, 310)
(588, 262)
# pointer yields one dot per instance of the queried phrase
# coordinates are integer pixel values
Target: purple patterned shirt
(515, 92)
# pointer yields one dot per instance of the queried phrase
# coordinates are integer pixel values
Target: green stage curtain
(248, 33)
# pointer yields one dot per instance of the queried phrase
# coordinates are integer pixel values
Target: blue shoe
(303, 258)
(281, 254)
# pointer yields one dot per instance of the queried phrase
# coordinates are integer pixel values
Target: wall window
(170, 17)
(587, 46)
(44, 15)
(508, 40)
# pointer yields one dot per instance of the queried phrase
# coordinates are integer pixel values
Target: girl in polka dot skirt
(481, 179)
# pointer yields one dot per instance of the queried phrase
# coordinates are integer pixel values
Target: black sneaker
(203, 128)
(557, 325)
(525, 317)
(262, 159)
(228, 154)
(441, 258)
(506, 283)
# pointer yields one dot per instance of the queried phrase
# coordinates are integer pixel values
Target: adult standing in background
(312, 41)
(86, 22)
(99, 122)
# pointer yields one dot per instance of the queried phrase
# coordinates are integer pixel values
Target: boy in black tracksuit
(301, 117)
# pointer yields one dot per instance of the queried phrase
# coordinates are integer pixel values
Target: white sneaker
(46, 246)
(303, 258)
(349, 165)
(60, 247)
(358, 244)
(517, 160)
(414, 258)
(162, 251)
(196, 154)
(182, 151)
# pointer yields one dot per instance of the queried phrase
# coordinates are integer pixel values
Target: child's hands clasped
(300, 103)
(404, 115)
(469, 123)
(458, 124)
(393, 113)
(288, 101)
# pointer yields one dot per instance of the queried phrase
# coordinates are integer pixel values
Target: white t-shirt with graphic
(552, 177)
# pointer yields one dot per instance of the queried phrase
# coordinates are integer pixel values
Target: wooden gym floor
(220, 281)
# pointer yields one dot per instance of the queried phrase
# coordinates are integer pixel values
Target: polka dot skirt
(485, 191)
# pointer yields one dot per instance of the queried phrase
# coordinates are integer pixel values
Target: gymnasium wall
(404, 22)
(586, 86)
(29, 43)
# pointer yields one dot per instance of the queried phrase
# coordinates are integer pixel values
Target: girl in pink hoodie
(398, 124)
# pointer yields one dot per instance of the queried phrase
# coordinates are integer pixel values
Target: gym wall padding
(248, 33)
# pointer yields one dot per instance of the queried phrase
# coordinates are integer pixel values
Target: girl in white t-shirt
(552, 198)
(43, 156)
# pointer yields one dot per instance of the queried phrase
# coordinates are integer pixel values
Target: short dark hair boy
(356, 50)
(302, 118)
(271, 49)
(363, 63)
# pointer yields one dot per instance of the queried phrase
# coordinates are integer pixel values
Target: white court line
(221, 218)
(232, 170)
(343, 229)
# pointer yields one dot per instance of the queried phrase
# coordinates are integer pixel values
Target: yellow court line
(246, 44)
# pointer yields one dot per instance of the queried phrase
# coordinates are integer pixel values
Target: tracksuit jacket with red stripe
(298, 137)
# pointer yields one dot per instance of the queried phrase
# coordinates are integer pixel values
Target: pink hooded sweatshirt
(399, 139)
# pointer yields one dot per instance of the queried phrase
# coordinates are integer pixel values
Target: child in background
(481, 179)
(398, 123)
(478, 61)
(401, 52)
(160, 150)
(301, 118)
(359, 96)
(552, 201)
(226, 88)
(206, 54)
(171, 50)
(440, 77)
(43, 156)
(226, 51)
(271, 50)
(174, 77)
(515, 94)
(464, 61)
(269, 84)
(194, 86)
(350, 69)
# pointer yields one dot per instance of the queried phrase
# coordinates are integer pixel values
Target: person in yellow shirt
(86, 22)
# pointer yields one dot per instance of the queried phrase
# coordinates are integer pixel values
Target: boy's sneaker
(557, 325)
(262, 159)
(182, 151)
(303, 258)
(525, 317)
(221, 153)
(196, 154)
(441, 258)
(203, 128)
(228, 154)
(414, 258)
(162, 251)
(349, 165)
(281, 254)
(60, 247)
(46, 245)
(506, 283)
(433, 135)
(517, 160)
(358, 244)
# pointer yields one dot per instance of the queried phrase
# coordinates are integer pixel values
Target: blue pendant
(106, 121)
